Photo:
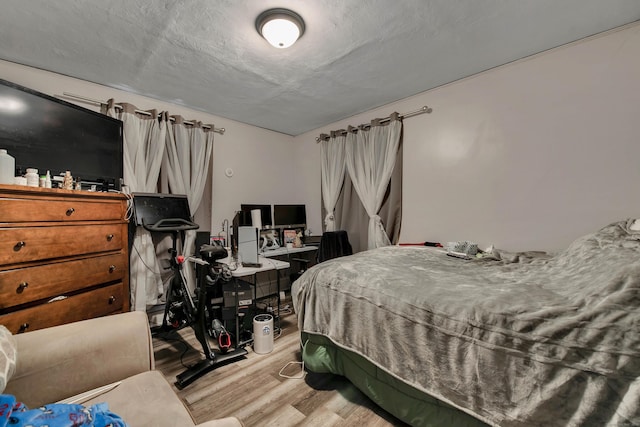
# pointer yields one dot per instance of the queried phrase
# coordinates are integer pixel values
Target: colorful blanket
(16, 414)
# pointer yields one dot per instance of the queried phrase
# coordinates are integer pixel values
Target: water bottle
(7, 167)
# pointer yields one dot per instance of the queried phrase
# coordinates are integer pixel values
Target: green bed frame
(404, 402)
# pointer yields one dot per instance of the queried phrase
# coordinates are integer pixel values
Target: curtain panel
(143, 150)
(185, 167)
(332, 152)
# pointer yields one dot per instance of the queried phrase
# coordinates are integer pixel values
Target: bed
(522, 339)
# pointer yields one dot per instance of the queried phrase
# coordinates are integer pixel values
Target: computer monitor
(236, 223)
(265, 213)
(290, 216)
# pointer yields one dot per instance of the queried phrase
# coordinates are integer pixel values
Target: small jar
(33, 179)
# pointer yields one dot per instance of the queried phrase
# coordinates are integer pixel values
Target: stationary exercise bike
(182, 309)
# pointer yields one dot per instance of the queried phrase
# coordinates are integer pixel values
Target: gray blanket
(519, 340)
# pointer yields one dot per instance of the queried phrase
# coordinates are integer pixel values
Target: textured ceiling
(354, 55)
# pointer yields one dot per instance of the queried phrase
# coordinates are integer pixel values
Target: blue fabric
(16, 414)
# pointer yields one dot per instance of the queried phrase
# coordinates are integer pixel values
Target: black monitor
(290, 216)
(236, 222)
(265, 213)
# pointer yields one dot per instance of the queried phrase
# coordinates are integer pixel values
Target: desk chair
(334, 244)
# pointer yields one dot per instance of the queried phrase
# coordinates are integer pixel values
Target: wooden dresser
(63, 256)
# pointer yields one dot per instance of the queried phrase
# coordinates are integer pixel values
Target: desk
(266, 265)
(300, 258)
(286, 251)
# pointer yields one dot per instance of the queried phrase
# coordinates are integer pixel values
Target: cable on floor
(299, 376)
(164, 336)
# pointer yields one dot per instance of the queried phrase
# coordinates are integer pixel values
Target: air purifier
(263, 334)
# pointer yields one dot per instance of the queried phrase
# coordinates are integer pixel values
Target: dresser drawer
(44, 210)
(99, 302)
(24, 244)
(24, 285)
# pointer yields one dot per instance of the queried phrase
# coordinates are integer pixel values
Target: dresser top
(7, 189)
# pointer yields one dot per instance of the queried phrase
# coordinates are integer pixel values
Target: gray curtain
(351, 216)
(189, 150)
(143, 135)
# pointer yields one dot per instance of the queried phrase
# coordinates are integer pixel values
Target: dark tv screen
(290, 215)
(50, 134)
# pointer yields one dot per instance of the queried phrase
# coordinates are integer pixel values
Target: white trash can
(263, 334)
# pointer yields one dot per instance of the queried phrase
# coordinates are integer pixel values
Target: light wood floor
(252, 390)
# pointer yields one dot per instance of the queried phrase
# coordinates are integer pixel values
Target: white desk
(287, 251)
(266, 265)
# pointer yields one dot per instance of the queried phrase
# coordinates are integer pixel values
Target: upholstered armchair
(107, 359)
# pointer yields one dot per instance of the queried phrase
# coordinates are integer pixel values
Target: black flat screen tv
(290, 216)
(50, 134)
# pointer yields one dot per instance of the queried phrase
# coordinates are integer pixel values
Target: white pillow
(8, 355)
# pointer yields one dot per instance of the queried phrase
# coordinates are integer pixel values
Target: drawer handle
(19, 246)
(21, 287)
(112, 299)
(23, 327)
(109, 237)
(70, 211)
(112, 268)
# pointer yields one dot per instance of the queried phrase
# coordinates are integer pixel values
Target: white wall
(261, 159)
(530, 155)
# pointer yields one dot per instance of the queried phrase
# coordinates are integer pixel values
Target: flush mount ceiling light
(280, 27)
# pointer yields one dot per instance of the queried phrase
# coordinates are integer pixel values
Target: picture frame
(289, 236)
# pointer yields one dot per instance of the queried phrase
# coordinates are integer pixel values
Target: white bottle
(7, 167)
(47, 180)
(33, 179)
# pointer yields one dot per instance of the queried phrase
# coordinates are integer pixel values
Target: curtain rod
(422, 110)
(97, 102)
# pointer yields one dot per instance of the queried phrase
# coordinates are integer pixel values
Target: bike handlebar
(171, 224)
